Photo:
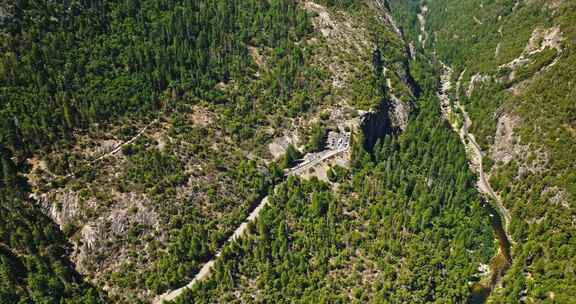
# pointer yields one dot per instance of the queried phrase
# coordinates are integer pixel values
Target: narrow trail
(206, 269)
(109, 154)
(131, 140)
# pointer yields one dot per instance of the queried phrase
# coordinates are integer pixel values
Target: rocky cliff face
(378, 123)
(349, 45)
(102, 237)
(391, 115)
(5, 14)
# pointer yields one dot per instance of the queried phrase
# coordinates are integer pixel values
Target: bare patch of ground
(474, 81)
(201, 116)
(102, 147)
(161, 139)
(477, 20)
(503, 149)
(38, 170)
(544, 38)
(339, 117)
(320, 171)
(347, 42)
(256, 56)
(279, 145)
(556, 196)
(423, 36)
(570, 129)
(554, 4)
(540, 40)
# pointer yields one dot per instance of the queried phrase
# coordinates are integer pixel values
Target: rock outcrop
(378, 123)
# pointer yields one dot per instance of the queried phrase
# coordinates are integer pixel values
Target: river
(499, 215)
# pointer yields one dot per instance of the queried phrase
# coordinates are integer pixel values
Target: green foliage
(195, 237)
(537, 187)
(76, 68)
(337, 174)
(411, 219)
(290, 157)
(317, 139)
(68, 65)
(9, 173)
(537, 63)
(34, 265)
(155, 170)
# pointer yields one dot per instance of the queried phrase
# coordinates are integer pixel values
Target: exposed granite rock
(507, 147)
(102, 237)
(5, 12)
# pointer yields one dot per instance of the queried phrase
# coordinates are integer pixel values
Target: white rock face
(544, 38)
(507, 147)
(95, 229)
(279, 145)
(62, 207)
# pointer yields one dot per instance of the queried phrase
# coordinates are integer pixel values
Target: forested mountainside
(286, 151)
(513, 63)
(146, 131)
(404, 225)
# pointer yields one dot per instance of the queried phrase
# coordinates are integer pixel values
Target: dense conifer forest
(137, 136)
(403, 226)
(515, 60)
(68, 65)
(72, 70)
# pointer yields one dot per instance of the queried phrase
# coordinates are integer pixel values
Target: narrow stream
(499, 216)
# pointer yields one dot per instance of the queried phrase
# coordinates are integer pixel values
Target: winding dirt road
(206, 270)
(474, 151)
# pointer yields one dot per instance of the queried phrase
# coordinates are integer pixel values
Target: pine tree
(8, 167)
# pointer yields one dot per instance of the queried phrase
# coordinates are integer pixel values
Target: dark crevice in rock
(377, 124)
